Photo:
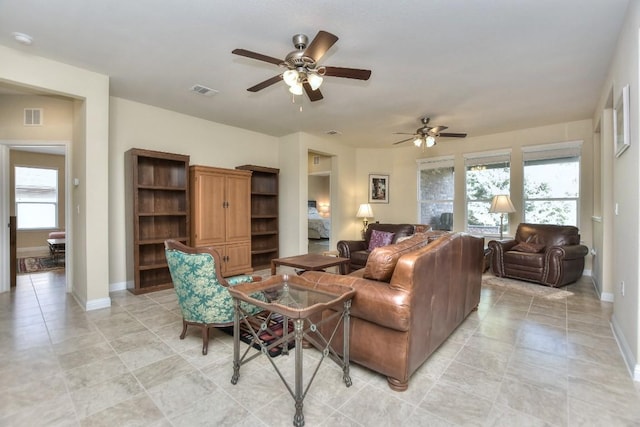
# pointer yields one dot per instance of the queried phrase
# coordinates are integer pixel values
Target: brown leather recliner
(358, 250)
(547, 254)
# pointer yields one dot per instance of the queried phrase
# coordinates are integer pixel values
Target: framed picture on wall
(621, 122)
(378, 188)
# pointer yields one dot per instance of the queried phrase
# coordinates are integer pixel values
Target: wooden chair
(201, 289)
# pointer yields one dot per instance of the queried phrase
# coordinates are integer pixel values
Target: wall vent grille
(203, 90)
(33, 116)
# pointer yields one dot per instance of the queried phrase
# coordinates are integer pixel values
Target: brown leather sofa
(409, 298)
(547, 254)
(358, 250)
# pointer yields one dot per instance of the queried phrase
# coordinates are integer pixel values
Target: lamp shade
(430, 141)
(501, 204)
(365, 211)
(314, 80)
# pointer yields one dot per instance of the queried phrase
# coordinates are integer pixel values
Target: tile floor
(517, 361)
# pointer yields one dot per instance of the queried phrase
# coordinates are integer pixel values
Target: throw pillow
(380, 238)
(382, 261)
(532, 248)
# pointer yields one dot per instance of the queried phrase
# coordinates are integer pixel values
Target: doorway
(32, 247)
(319, 203)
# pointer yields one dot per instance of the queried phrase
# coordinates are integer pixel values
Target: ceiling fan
(426, 135)
(302, 67)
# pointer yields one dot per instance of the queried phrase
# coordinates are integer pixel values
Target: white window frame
(549, 152)
(55, 203)
(483, 158)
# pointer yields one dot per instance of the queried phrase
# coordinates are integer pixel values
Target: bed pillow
(380, 238)
(529, 247)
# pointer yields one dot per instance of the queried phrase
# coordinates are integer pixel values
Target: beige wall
(87, 270)
(319, 189)
(57, 118)
(620, 186)
(135, 125)
(401, 166)
(37, 238)
(57, 126)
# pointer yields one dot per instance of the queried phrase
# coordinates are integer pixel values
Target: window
(36, 195)
(552, 184)
(435, 193)
(485, 176)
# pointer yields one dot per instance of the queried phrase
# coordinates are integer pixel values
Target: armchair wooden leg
(184, 329)
(205, 339)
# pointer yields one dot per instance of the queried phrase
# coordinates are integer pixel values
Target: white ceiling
(476, 66)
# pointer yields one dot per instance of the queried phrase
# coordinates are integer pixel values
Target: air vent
(33, 116)
(203, 90)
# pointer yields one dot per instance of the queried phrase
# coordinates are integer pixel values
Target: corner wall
(89, 264)
(624, 185)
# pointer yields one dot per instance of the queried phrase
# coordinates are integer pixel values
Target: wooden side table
(311, 262)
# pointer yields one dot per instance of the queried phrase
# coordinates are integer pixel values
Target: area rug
(275, 325)
(37, 264)
(519, 286)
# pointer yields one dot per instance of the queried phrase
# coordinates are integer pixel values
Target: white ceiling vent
(33, 116)
(203, 90)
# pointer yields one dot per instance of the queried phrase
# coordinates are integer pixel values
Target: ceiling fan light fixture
(417, 142)
(314, 80)
(296, 89)
(430, 141)
(290, 77)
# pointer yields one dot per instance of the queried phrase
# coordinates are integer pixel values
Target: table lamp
(364, 212)
(501, 204)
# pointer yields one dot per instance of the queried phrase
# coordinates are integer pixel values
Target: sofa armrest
(346, 247)
(374, 301)
(498, 248)
(567, 252)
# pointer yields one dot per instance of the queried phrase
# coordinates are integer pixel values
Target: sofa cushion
(530, 247)
(382, 261)
(380, 238)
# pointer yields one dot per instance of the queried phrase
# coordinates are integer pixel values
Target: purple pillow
(380, 238)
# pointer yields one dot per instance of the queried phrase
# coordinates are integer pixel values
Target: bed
(319, 227)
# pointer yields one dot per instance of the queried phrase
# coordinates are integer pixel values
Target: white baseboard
(35, 250)
(94, 304)
(606, 296)
(627, 354)
(119, 286)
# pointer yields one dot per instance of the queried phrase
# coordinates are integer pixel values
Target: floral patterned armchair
(201, 289)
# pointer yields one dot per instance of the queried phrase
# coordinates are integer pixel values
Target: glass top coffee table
(311, 262)
(301, 303)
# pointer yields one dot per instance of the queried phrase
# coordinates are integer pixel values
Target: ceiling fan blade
(320, 45)
(314, 95)
(403, 133)
(273, 80)
(404, 140)
(349, 73)
(258, 56)
(438, 129)
(452, 135)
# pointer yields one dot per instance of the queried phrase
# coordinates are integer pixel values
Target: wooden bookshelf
(157, 206)
(264, 215)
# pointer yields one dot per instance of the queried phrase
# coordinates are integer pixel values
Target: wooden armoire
(221, 215)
